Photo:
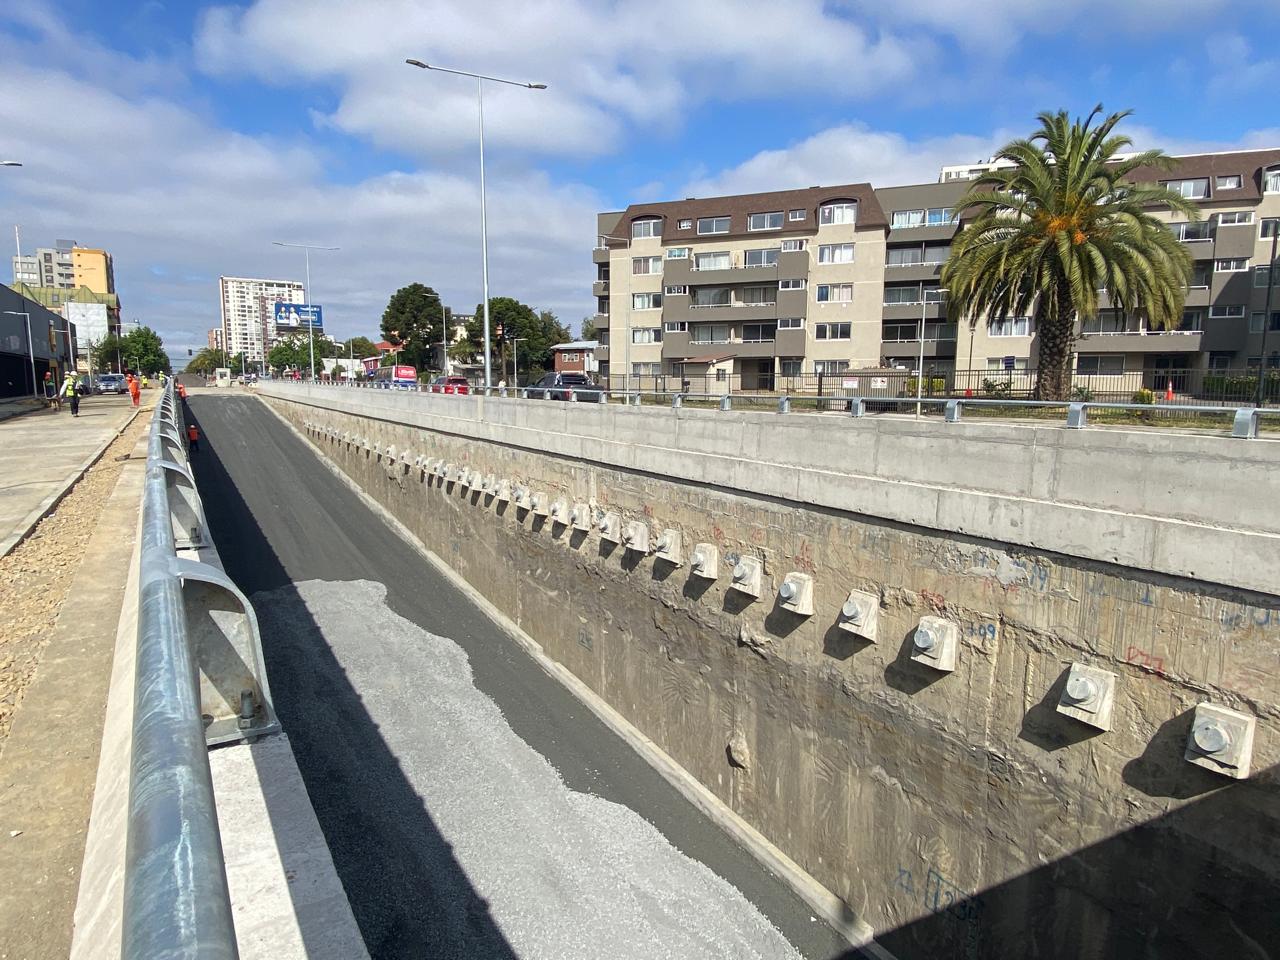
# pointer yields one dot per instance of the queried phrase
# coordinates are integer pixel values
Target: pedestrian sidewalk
(46, 451)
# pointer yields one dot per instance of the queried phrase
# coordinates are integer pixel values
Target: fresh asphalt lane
(391, 730)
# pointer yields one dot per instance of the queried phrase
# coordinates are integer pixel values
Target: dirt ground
(36, 575)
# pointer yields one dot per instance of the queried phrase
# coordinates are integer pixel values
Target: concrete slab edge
(47, 506)
(821, 900)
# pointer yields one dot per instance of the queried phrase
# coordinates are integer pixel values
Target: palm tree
(1065, 223)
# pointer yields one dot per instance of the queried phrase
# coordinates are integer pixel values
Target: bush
(997, 389)
(1082, 395)
(1143, 396)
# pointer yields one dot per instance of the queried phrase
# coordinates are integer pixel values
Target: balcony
(1141, 341)
(600, 288)
(911, 311)
(894, 273)
(600, 255)
(684, 272)
(679, 308)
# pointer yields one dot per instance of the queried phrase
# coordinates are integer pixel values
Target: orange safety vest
(192, 433)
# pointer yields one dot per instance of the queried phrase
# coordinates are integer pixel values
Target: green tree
(139, 349)
(538, 332)
(413, 322)
(359, 347)
(293, 351)
(1064, 222)
(208, 360)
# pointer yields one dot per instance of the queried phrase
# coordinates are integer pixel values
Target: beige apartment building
(94, 269)
(774, 290)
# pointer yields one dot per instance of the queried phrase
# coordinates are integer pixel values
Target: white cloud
(642, 65)
(1235, 71)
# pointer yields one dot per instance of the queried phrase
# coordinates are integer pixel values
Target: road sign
(298, 316)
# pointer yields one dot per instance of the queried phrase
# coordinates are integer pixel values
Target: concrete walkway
(43, 453)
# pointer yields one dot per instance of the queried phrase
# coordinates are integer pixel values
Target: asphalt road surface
(474, 808)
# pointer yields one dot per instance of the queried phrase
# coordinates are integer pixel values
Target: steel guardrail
(1244, 419)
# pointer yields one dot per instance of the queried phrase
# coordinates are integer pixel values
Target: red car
(450, 385)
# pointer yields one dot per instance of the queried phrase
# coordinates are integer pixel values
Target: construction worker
(146, 384)
(51, 391)
(71, 392)
(133, 389)
(193, 437)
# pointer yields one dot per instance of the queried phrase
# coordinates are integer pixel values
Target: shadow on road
(410, 897)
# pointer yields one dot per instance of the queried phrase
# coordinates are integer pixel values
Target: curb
(52, 501)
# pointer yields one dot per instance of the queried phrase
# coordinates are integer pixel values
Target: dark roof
(738, 207)
(1248, 164)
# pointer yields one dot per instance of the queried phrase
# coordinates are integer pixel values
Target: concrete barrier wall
(959, 814)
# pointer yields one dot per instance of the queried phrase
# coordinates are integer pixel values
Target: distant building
(48, 343)
(215, 339)
(94, 269)
(576, 357)
(47, 267)
(247, 306)
(57, 298)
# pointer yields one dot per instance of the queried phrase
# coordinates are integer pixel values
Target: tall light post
(515, 360)
(35, 385)
(484, 228)
(10, 163)
(924, 306)
(306, 293)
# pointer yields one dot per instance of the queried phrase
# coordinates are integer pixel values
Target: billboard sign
(90, 320)
(290, 317)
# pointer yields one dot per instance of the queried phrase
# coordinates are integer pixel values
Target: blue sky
(186, 137)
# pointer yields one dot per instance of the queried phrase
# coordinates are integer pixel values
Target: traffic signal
(189, 353)
(498, 331)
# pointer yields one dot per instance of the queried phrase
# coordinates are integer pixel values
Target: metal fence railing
(1243, 420)
(199, 681)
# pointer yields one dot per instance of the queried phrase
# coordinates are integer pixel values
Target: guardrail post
(784, 404)
(953, 410)
(726, 402)
(1077, 415)
(635, 399)
(1245, 424)
(677, 401)
(184, 506)
(502, 391)
(857, 407)
(573, 395)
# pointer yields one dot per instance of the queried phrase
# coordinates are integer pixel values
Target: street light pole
(924, 306)
(35, 385)
(1266, 316)
(306, 294)
(484, 229)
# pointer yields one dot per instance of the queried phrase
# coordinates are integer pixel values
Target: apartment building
(93, 268)
(215, 339)
(247, 307)
(755, 289)
(48, 267)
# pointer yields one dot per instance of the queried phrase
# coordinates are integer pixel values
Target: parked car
(453, 384)
(556, 386)
(112, 383)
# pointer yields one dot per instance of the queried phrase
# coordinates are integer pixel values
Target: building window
(646, 335)
(569, 358)
(834, 213)
(934, 294)
(646, 301)
(764, 221)
(904, 256)
(676, 290)
(1271, 180)
(997, 364)
(1230, 182)
(1221, 360)
(832, 331)
(1201, 271)
(835, 292)
(1270, 227)
(829, 367)
(1261, 277)
(643, 229)
(1196, 189)
(759, 332)
(712, 261)
(1235, 217)
(711, 296)
(1233, 265)
(646, 369)
(640, 266)
(1192, 320)
(795, 215)
(791, 246)
(712, 225)
(761, 258)
(686, 225)
(1255, 321)
(792, 284)
(906, 218)
(1201, 230)
(791, 323)
(900, 294)
(676, 326)
(679, 253)
(1226, 311)
(938, 216)
(709, 333)
(791, 367)
(1090, 364)
(759, 296)
(835, 253)
(1009, 327)
(935, 253)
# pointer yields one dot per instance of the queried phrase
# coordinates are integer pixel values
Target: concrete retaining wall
(959, 814)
